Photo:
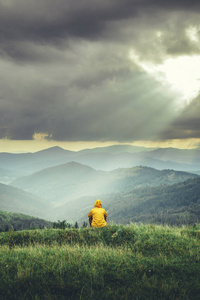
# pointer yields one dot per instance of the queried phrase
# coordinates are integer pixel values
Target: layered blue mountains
(135, 184)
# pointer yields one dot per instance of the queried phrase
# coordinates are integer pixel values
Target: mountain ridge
(66, 183)
(16, 200)
(58, 182)
(101, 159)
(175, 204)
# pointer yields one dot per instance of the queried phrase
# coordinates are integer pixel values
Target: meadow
(114, 262)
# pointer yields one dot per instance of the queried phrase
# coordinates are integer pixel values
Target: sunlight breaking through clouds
(181, 74)
(68, 74)
(192, 33)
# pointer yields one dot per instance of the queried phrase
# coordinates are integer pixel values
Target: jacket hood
(98, 203)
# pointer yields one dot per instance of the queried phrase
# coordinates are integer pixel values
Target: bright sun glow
(192, 33)
(182, 74)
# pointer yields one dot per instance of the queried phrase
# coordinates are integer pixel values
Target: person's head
(98, 203)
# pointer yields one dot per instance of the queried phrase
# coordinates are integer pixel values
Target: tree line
(17, 222)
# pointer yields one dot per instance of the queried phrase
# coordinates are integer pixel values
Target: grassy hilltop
(115, 262)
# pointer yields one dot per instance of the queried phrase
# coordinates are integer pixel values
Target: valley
(57, 184)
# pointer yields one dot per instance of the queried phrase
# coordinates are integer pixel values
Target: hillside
(176, 204)
(61, 183)
(108, 162)
(16, 221)
(67, 182)
(154, 204)
(6, 175)
(67, 192)
(191, 156)
(16, 200)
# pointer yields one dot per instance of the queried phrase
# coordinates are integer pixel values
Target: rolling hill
(61, 183)
(67, 190)
(16, 200)
(70, 181)
(169, 204)
(6, 175)
(184, 156)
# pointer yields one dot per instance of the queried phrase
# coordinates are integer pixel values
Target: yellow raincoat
(98, 215)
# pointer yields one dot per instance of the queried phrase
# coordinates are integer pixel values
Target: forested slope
(16, 221)
(73, 180)
(174, 204)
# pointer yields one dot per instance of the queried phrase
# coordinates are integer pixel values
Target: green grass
(115, 262)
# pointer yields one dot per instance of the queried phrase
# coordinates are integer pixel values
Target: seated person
(97, 216)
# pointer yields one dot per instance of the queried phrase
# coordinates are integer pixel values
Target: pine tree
(76, 225)
(84, 224)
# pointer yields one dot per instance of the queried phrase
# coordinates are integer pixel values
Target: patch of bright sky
(192, 143)
(181, 74)
(18, 146)
(192, 33)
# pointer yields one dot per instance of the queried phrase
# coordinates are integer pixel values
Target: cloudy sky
(87, 73)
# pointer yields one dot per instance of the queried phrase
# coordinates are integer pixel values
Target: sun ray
(181, 74)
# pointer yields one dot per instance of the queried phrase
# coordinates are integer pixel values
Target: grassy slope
(115, 262)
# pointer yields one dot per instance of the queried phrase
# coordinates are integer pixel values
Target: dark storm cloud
(27, 26)
(120, 110)
(48, 21)
(187, 125)
(65, 68)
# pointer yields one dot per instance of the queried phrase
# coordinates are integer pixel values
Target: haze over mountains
(16, 200)
(175, 204)
(61, 184)
(67, 182)
(106, 159)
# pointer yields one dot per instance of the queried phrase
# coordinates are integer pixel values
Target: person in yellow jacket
(97, 216)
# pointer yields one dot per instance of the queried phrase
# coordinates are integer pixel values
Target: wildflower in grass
(114, 234)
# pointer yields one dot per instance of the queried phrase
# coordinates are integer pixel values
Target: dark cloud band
(66, 71)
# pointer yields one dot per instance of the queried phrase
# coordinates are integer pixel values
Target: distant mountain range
(58, 184)
(64, 190)
(105, 159)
